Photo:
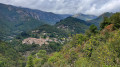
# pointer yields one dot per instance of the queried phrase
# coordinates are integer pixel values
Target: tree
(2, 64)
(73, 56)
(105, 22)
(93, 29)
(82, 62)
(42, 54)
(115, 19)
(30, 62)
(78, 40)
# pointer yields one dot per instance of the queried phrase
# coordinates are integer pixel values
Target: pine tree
(93, 29)
(30, 62)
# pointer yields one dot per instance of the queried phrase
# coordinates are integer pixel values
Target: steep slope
(61, 29)
(95, 50)
(52, 30)
(10, 27)
(14, 20)
(58, 33)
(99, 19)
(49, 17)
(9, 57)
(66, 26)
(72, 25)
(84, 17)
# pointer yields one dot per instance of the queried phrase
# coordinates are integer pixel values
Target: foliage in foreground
(96, 51)
(9, 57)
(92, 49)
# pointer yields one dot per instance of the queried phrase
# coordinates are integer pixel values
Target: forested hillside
(100, 18)
(33, 38)
(73, 25)
(9, 57)
(94, 49)
(15, 20)
(64, 28)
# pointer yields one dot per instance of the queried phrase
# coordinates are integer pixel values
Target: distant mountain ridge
(14, 20)
(99, 19)
(84, 16)
(49, 17)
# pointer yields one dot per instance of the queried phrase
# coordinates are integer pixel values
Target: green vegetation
(9, 57)
(30, 62)
(14, 20)
(99, 19)
(114, 19)
(17, 25)
(73, 25)
(96, 50)
(52, 31)
(91, 31)
(72, 48)
(105, 23)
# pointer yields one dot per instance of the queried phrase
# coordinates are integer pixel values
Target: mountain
(96, 48)
(60, 31)
(73, 25)
(85, 50)
(64, 15)
(49, 17)
(14, 20)
(99, 19)
(51, 37)
(84, 17)
(52, 30)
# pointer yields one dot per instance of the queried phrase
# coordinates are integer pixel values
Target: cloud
(93, 7)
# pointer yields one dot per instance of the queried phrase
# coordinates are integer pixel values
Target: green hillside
(64, 28)
(28, 40)
(99, 49)
(14, 20)
(99, 19)
(9, 57)
(73, 25)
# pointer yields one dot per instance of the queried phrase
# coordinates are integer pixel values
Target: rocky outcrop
(108, 28)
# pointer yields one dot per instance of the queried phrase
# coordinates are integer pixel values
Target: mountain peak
(84, 16)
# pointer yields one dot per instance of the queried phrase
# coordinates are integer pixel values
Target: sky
(92, 7)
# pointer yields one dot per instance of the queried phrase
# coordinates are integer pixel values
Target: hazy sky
(95, 7)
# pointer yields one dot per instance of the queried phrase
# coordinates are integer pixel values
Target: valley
(35, 38)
